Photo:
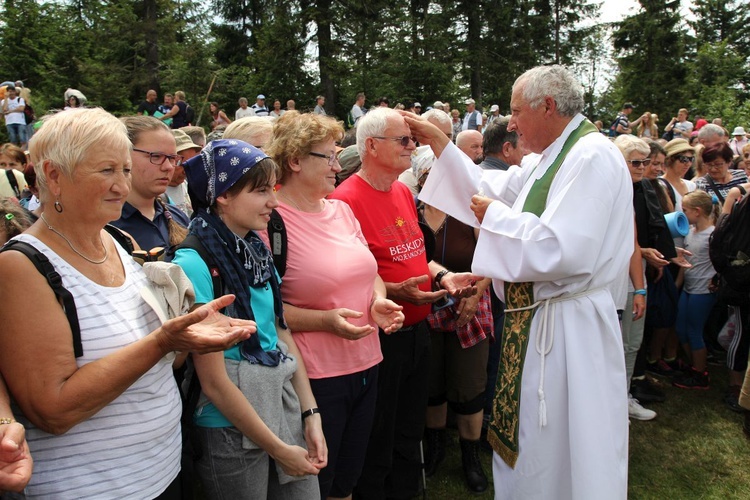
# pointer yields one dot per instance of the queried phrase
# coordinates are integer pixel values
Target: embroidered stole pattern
(503, 432)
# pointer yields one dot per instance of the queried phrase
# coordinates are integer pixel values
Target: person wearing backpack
(697, 297)
(730, 237)
(334, 298)
(257, 420)
(96, 395)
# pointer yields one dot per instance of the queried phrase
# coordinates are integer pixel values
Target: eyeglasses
(158, 158)
(720, 164)
(686, 159)
(332, 158)
(403, 139)
(638, 163)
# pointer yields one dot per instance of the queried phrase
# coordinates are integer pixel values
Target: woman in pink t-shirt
(334, 299)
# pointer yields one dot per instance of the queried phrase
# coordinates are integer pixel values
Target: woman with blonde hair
(647, 127)
(254, 130)
(334, 298)
(102, 410)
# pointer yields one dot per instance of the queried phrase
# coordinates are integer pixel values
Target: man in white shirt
(15, 120)
(680, 126)
(244, 110)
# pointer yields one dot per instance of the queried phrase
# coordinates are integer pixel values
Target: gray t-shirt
(699, 276)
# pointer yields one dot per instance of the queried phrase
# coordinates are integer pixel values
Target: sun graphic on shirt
(400, 221)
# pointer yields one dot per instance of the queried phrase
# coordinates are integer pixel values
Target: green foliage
(652, 48)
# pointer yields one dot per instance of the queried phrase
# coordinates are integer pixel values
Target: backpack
(729, 251)
(349, 120)
(613, 127)
(28, 114)
(189, 114)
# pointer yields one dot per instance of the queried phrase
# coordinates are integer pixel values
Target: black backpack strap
(120, 237)
(714, 188)
(45, 267)
(13, 182)
(670, 190)
(278, 240)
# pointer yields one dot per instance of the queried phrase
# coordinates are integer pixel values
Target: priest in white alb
(555, 234)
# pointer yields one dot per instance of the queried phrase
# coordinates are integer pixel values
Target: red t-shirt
(390, 225)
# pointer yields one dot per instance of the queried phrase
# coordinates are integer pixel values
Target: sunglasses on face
(638, 163)
(403, 139)
(686, 159)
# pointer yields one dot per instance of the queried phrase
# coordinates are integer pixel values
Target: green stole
(503, 435)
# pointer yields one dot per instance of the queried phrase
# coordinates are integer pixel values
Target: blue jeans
(16, 133)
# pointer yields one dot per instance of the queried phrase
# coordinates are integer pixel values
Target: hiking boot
(473, 473)
(692, 380)
(638, 412)
(746, 424)
(660, 368)
(644, 390)
(434, 450)
(732, 399)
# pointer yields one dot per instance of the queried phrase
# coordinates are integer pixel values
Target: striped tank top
(131, 447)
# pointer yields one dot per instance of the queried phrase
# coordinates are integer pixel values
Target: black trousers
(393, 464)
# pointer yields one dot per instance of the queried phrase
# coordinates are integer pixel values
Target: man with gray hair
(556, 236)
(500, 147)
(244, 110)
(387, 214)
(711, 134)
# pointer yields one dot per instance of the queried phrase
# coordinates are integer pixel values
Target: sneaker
(732, 399)
(644, 390)
(678, 366)
(692, 380)
(660, 368)
(638, 412)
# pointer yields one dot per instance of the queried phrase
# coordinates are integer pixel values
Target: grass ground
(694, 449)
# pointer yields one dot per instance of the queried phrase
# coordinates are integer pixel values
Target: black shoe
(644, 391)
(475, 478)
(434, 450)
(660, 368)
(746, 424)
(732, 399)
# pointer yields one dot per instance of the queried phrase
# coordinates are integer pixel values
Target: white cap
(494, 108)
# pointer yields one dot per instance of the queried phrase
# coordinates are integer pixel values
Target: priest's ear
(550, 105)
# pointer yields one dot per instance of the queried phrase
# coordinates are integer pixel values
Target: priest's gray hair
(554, 81)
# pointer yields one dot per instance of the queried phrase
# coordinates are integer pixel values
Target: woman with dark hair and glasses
(719, 179)
(334, 298)
(154, 157)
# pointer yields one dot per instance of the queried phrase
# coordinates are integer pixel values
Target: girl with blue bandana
(257, 418)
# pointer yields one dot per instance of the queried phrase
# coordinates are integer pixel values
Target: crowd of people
(285, 308)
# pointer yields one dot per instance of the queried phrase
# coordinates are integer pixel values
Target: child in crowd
(696, 300)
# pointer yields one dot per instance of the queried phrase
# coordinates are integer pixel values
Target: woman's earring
(58, 207)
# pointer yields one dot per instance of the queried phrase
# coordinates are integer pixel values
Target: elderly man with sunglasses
(387, 213)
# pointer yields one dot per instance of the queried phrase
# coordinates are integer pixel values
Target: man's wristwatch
(439, 276)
